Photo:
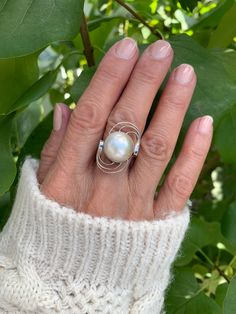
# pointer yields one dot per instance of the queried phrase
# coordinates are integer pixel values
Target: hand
(123, 89)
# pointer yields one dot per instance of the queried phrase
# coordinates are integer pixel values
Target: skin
(123, 89)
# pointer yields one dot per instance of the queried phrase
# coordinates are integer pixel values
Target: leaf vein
(3, 6)
(26, 12)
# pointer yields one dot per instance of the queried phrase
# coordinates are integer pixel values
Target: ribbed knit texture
(54, 260)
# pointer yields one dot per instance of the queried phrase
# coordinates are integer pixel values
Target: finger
(51, 147)
(89, 118)
(184, 174)
(159, 140)
(147, 76)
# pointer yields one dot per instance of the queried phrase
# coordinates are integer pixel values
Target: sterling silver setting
(121, 144)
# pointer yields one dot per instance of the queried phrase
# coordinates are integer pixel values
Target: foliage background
(46, 57)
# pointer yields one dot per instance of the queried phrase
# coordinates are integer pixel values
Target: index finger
(88, 120)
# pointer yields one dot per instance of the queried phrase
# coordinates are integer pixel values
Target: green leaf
(212, 18)
(37, 139)
(199, 235)
(26, 121)
(221, 291)
(230, 299)
(17, 75)
(5, 208)
(228, 223)
(228, 60)
(28, 25)
(185, 296)
(225, 136)
(36, 91)
(7, 164)
(211, 72)
(81, 83)
(225, 31)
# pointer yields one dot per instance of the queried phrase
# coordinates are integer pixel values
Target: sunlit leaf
(226, 30)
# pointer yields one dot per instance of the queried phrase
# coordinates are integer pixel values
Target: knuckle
(48, 151)
(86, 117)
(123, 114)
(145, 76)
(156, 147)
(194, 153)
(173, 102)
(180, 186)
(109, 74)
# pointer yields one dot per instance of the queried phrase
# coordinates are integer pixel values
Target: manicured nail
(205, 124)
(160, 49)
(126, 48)
(57, 117)
(184, 74)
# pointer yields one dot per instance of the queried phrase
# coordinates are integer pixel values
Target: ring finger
(158, 141)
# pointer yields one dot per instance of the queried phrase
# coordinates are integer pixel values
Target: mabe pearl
(118, 146)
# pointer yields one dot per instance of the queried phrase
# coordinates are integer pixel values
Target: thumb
(51, 147)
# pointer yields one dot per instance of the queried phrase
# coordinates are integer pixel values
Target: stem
(88, 48)
(154, 31)
(206, 257)
(214, 266)
(222, 273)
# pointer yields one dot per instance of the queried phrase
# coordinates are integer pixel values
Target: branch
(214, 265)
(154, 31)
(88, 48)
(222, 273)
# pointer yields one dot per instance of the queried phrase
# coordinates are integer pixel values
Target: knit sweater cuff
(61, 245)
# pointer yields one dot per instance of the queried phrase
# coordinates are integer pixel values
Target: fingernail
(160, 49)
(184, 74)
(126, 48)
(57, 117)
(205, 124)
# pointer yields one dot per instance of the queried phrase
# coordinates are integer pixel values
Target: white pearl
(118, 146)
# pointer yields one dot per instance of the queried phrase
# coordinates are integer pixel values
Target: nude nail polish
(161, 49)
(126, 48)
(205, 124)
(57, 117)
(184, 74)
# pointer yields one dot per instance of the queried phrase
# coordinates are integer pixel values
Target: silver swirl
(115, 167)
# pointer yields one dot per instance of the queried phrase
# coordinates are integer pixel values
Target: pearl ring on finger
(121, 144)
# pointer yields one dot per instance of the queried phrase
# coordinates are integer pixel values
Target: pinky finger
(183, 176)
(49, 153)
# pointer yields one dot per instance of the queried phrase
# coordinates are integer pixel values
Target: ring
(121, 144)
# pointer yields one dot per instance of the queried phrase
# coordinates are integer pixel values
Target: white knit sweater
(54, 260)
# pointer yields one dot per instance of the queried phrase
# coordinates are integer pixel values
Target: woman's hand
(123, 89)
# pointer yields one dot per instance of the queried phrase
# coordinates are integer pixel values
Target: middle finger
(147, 76)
